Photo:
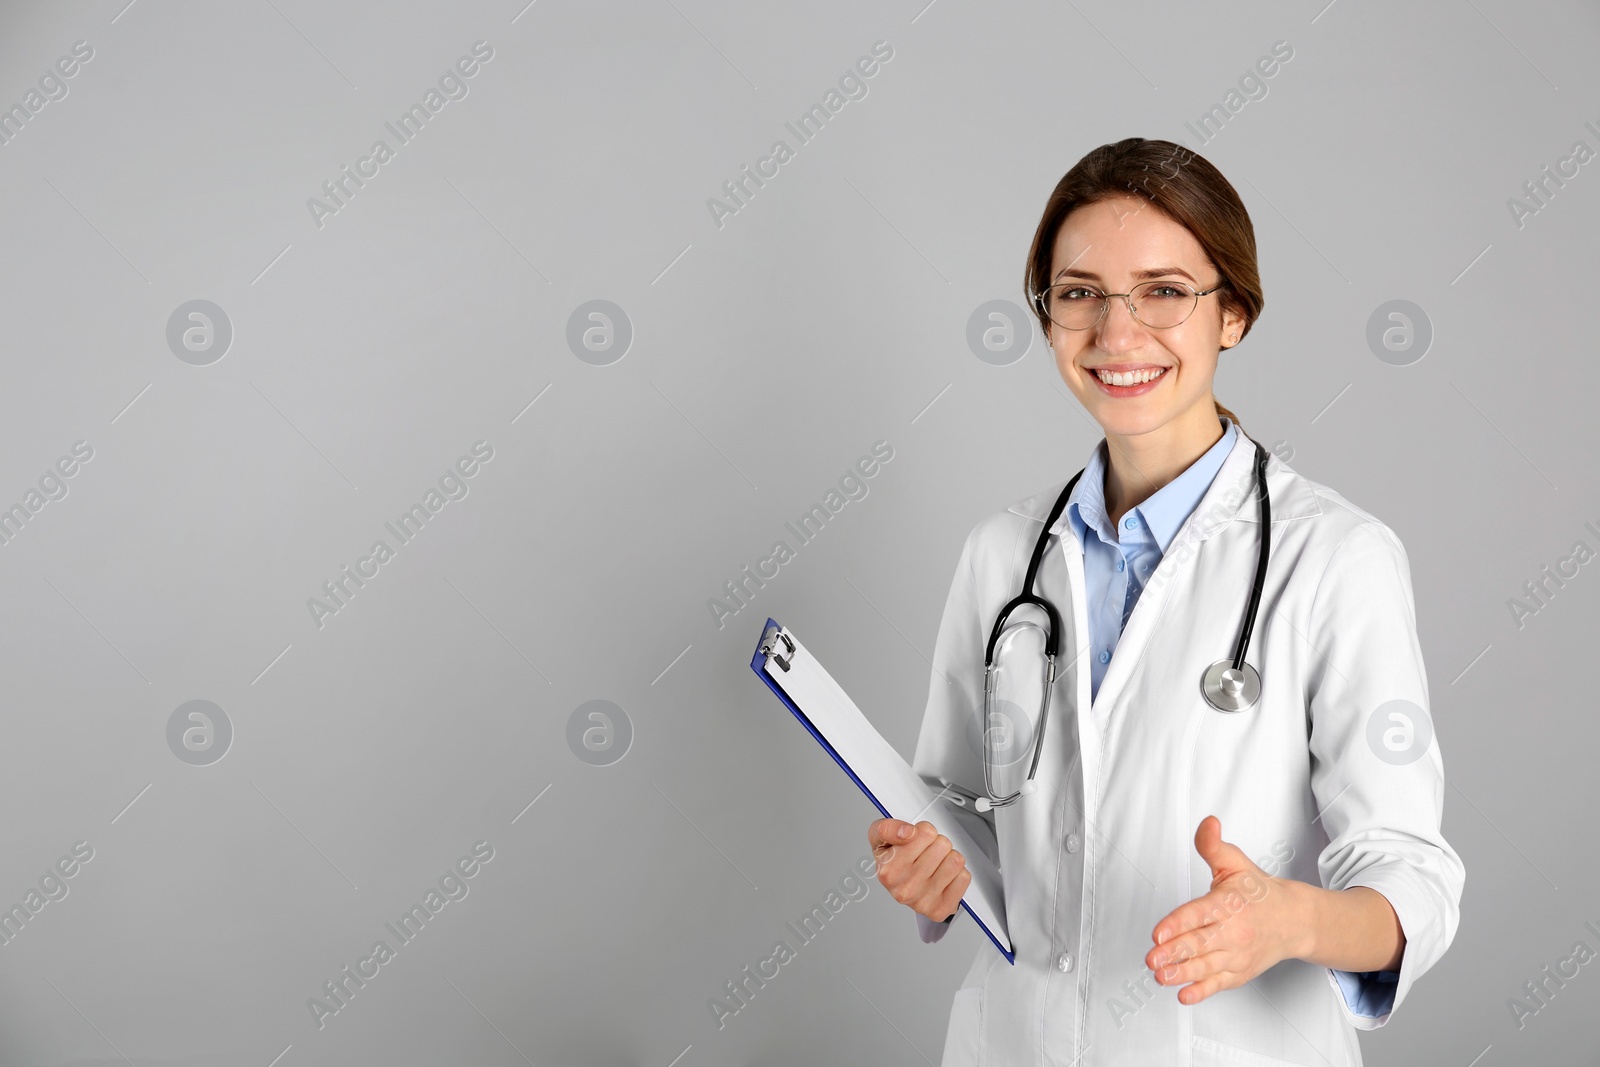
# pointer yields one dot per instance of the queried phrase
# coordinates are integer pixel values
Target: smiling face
(1114, 245)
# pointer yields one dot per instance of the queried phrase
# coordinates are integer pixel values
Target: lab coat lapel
(1230, 495)
(1077, 648)
(1232, 486)
(1076, 651)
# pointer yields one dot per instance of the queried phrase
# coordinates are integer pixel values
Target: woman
(1169, 853)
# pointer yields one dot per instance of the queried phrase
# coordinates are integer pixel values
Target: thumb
(890, 832)
(1222, 857)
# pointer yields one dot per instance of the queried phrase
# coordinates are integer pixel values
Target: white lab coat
(1105, 848)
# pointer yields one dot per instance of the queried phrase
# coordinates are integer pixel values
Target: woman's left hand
(1245, 924)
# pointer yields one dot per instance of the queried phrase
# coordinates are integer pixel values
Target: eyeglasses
(1159, 305)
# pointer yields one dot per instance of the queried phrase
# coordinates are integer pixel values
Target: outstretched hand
(1248, 922)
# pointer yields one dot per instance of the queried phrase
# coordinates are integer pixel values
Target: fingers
(923, 871)
(1198, 977)
(1185, 966)
(957, 877)
(932, 881)
(1196, 914)
(1216, 981)
(894, 840)
(935, 848)
(888, 832)
(1174, 954)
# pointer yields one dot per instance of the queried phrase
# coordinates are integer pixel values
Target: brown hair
(1182, 185)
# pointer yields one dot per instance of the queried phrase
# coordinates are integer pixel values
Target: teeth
(1130, 378)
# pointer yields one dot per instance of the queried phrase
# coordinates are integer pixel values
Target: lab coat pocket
(1209, 1053)
(961, 1039)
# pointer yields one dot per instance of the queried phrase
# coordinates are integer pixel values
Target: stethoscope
(1227, 685)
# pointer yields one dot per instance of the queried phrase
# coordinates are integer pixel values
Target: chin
(1118, 418)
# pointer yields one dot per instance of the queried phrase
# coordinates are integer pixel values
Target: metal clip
(769, 641)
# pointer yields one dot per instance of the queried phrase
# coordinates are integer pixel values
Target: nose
(1118, 328)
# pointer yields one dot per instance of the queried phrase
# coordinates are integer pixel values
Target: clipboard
(897, 791)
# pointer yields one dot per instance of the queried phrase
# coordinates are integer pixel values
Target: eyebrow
(1139, 275)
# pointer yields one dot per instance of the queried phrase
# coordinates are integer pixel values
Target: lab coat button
(1072, 842)
(1065, 962)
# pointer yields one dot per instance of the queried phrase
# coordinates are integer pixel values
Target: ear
(1232, 329)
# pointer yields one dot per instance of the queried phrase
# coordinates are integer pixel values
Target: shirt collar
(1163, 511)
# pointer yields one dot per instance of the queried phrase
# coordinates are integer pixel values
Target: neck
(1140, 464)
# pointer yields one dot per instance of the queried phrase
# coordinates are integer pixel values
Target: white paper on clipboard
(898, 792)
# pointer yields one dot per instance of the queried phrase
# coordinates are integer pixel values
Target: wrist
(1307, 911)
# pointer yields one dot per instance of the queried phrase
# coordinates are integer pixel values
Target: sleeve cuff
(1367, 998)
(1367, 994)
(931, 931)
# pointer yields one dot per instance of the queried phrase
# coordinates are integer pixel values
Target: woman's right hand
(919, 867)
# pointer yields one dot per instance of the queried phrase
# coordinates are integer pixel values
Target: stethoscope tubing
(1262, 556)
(1052, 646)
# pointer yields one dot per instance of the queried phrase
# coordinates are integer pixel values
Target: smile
(1126, 384)
(1127, 378)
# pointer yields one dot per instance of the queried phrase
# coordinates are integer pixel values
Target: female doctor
(1209, 855)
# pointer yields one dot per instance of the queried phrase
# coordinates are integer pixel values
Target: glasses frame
(1127, 298)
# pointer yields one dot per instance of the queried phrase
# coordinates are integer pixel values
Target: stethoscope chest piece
(1230, 690)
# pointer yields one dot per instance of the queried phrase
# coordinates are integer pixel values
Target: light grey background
(768, 355)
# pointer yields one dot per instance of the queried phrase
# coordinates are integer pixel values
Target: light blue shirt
(1117, 563)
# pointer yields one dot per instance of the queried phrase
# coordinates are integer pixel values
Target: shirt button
(1131, 522)
(1072, 842)
(1065, 962)
(1105, 657)
(1121, 564)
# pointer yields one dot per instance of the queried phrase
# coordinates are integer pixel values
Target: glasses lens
(1163, 304)
(1073, 306)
